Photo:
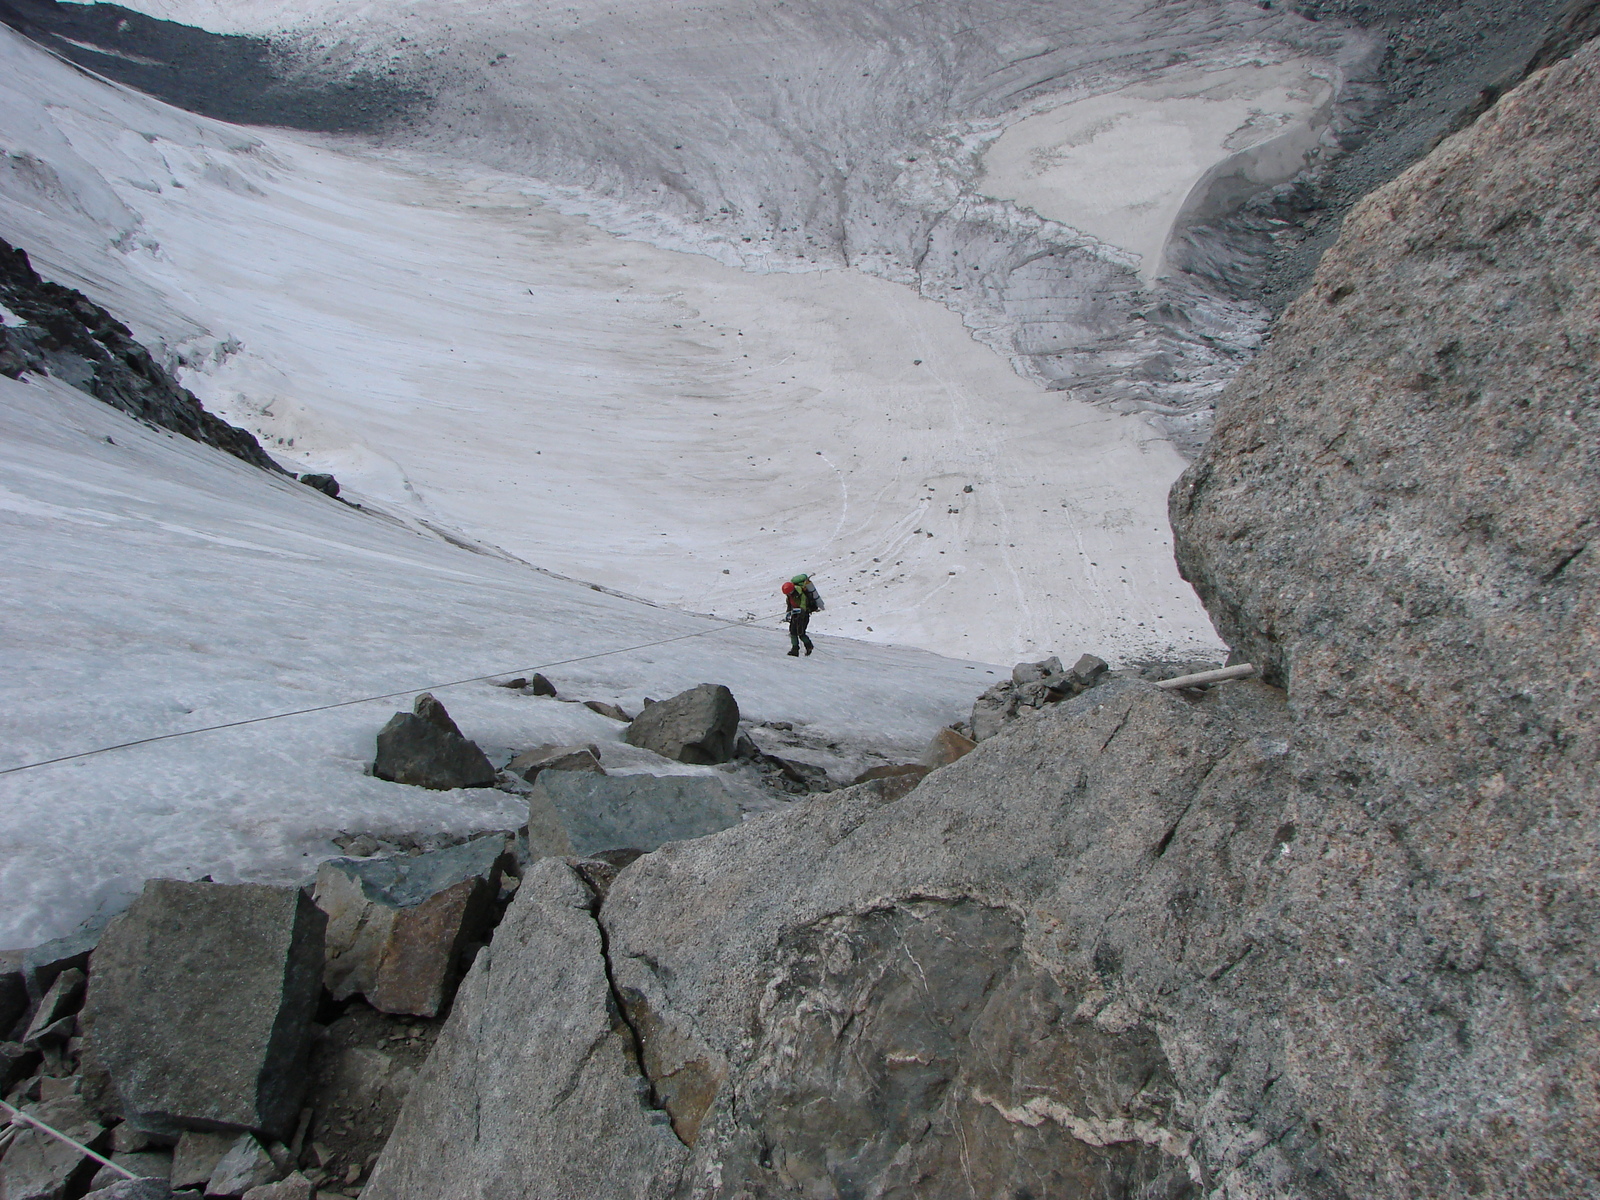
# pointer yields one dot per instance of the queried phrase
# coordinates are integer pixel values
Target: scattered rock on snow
(200, 1005)
(540, 686)
(326, 484)
(556, 758)
(424, 748)
(397, 926)
(700, 725)
(579, 813)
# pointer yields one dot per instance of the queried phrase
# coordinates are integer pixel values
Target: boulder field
(1330, 934)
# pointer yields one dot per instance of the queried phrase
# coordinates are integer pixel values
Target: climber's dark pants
(798, 620)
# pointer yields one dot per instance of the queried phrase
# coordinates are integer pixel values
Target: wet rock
(578, 813)
(246, 1165)
(397, 925)
(700, 725)
(556, 758)
(37, 1166)
(424, 748)
(176, 1058)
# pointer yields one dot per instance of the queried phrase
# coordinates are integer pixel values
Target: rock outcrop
(1331, 938)
(68, 335)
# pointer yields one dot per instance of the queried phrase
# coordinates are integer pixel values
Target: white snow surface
(475, 365)
(153, 585)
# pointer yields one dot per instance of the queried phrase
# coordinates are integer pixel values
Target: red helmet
(788, 589)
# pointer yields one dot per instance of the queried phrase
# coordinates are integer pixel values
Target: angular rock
(700, 725)
(424, 748)
(397, 925)
(196, 1156)
(540, 686)
(946, 746)
(1034, 672)
(578, 813)
(13, 991)
(246, 1165)
(992, 710)
(558, 1064)
(63, 1000)
(556, 758)
(294, 1187)
(200, 1005)
(44, 962)
(1088, 669)
(606, 710)
(37, 1166)
(145, 1164)
(134, 1189)
(16, 1064)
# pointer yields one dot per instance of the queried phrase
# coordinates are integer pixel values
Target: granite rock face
(1397, 518)
(200, 1004)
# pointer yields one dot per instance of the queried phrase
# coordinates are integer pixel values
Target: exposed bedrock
(1396, 518)
(1330, 939)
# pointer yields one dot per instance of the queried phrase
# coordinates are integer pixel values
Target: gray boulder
(145, 1164)
(196, 1156)
(535, 1046)
(397, 926)
(583, 814)
(200, 1005)
(556, 758)
(16, 1064)
(700, 725)
(52, 1020)
(1033, 672)
(424, 748)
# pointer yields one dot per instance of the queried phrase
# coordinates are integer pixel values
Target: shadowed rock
(424, 748)
(200, 1005)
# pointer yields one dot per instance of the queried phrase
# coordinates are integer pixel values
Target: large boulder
(200, 1004)
(397, 926)
(424, 748)
(1396, 519)
(700, 725)
(572, 812)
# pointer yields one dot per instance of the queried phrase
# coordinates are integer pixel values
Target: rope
(17, 1113)
(300, 712)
